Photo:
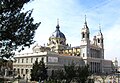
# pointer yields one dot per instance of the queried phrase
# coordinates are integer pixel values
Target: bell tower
(85, 41)
(100, 38)
(100, 42)
(85, 34)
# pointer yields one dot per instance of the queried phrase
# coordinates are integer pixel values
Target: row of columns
(95, 67)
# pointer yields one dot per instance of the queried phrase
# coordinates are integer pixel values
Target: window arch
(88, 35)
(101, 40)
(98, 40)
(83, 35)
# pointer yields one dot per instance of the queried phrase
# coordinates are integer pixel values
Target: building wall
(53, 61)
(107, 66)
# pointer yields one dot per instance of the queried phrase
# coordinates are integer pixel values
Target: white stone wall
(24, 63)
(52, 61)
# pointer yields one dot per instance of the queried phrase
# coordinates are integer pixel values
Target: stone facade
(52, 60)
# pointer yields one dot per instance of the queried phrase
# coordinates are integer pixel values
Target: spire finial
(57, 21)
(99, 27)
(100, 32)
(57, 27)
(85, 20)
(85, 24)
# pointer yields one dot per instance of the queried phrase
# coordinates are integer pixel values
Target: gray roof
(58, 33)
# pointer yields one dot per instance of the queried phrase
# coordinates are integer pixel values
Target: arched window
(101, 40)
(61, 42)
(98, 40)
(88, 35)
(37, 59)
(83, 35)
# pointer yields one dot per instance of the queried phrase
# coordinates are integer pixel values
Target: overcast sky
(71, 14)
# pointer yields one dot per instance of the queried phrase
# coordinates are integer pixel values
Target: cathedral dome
(57, 38)
(58, 33)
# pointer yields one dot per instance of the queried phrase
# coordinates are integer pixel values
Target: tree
(57, 76)
(42, 72)
(82, 74)
(39, 71)
(35, 68)
(70, 72)
(78, 73)
(17, 29)
(60, 75)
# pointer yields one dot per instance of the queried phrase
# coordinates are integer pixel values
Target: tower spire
(57, 21)
(85, 24)
(100, 28)
(57, 27)
(85, 20)
(100, 32)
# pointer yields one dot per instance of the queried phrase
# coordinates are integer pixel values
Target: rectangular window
(83, 55)
(18, 71)
(18, 60)
(26, 71)
(31, 60)
(21, 71)
(22, 60)
(26, 60)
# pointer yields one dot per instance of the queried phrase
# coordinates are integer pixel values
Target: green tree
(60, 75)
(42, 72)
(57, 76)
(39, 71)
(34, 72)
(17, 29)
(82, 74)
(70, 72)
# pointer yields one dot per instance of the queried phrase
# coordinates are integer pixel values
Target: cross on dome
(57, 27)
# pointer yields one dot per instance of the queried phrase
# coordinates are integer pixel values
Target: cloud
(111, 38)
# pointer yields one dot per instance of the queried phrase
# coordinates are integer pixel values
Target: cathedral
(58, 53)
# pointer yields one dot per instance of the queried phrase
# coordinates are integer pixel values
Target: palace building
(57, 54)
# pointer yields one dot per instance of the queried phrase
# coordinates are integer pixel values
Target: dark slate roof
(58, 33)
